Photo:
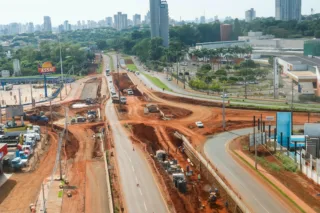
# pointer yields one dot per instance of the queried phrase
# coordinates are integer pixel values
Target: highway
(134, 169)
(253, 193)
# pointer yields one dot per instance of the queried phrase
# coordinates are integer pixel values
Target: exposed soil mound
(147, 135)
(186, 100)
(125, 81)
(175, 112)
(71, 146)
(176, 141)
(128, 61)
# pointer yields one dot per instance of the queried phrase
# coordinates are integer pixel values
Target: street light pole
(61, 66)
(118, 80)
(223, 113)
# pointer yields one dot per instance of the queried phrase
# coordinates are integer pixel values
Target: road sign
(269, 118)
(14, 110)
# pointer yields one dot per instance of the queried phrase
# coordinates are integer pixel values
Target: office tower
(14, 28)
(84, 26)
(225, 32)
(61, 28)
(159, 20)
(202, 19)
(288, 10)
(164, 23)
(120, 21)
(250, 15)
(79, 25)
(136, 20)
(66, 25)
(30, 27)
(155, 18)
(109, 22)
(147, 18)
(47, 27)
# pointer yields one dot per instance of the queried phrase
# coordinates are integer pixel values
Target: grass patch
(271, 183)
(111, 63)
(157, 82)
(99, 70)
(287, 163)
(60, 194)
(132, 67)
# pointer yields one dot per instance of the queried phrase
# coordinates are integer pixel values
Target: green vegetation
(157, 82)
(132, 67)
(60, 194)
(287, 162)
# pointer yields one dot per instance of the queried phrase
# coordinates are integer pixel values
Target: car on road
(169, 79)
(137, 73)
(129, 92)
(224, 96)
(123, 100)
(199, 124)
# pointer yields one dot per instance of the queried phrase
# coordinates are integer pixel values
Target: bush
(275, 167)
(221, 72)
(288, 163)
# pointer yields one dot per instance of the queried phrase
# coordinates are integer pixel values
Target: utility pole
(184, 78)
(61, 66)
(59, 150)
(118, 81)
(223, 113)
(31, 95)
(19, 97)
(44, 200)
(66, 122)
(292, 98)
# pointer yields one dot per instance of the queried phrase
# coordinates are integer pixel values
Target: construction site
(74, 165)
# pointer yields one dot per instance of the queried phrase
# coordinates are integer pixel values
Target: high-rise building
(250, 15)
(61, 28)
(120, 21)
(147, 18)
(202, 19)
(136, 20)
(66, 25)
(159, 20)
(30, 27)
(288, 10)
(14, 28)
(79, 25)
(109, 21)
(164, 23)
(47, 27)
(225, 32)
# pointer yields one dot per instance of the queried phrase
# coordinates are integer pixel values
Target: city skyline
(31, 10)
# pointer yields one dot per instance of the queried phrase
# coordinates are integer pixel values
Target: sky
(73, 10)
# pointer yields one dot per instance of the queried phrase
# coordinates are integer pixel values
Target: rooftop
(220, 42)
(303, 59)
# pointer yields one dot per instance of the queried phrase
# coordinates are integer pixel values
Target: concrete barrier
(234, 202)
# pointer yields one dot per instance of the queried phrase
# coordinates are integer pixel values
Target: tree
(317, 34)
(236, 29)
(102, 44)
(156, 49)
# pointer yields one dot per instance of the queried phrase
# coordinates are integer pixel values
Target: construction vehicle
(78, 119)
(91, 115)
(18, 163)
(36, 117)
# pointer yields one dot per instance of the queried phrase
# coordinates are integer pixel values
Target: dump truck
(91, 115)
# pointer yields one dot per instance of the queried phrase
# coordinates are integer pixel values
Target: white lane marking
(136, 179)
(132, 168)
(140, 192)
(130, 159)
(145, 206)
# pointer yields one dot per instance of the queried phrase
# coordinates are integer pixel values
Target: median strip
(157, 82)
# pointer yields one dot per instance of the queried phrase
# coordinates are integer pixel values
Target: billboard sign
(258, 137)
(14, 110)
(284, 125)
(46, 68)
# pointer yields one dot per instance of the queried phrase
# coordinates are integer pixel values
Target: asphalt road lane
(255, 195)
(134, 169)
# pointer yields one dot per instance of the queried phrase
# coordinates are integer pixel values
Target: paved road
(178, 91)
(256, 196)
(134, 169)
